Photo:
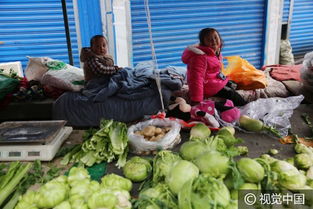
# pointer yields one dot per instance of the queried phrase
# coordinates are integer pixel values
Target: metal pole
(67, 33)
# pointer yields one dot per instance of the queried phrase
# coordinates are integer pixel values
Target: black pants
(230, 93)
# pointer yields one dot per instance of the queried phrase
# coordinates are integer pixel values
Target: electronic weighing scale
(32, 140)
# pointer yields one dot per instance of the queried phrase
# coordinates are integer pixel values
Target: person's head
(211, 38)
(98, 44)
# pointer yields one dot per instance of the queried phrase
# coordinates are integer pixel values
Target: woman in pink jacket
(204, 76)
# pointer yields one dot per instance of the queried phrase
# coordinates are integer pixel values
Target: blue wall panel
(176, 23)
(301, 33)
(35, 28)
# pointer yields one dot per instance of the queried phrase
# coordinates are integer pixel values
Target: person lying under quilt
(129, 95)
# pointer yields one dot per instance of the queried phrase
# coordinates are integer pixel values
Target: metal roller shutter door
(301, 32)
(35, 28)
(176, 23)
(286, 11)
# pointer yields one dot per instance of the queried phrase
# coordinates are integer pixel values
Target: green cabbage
(27, 201)
(115, 181)
(303, 161)
(209, 192)
(292, 181)
(51, 194)
(162, 164)
(283, 166)
(192, 149)
(250, 170)
(137, 169)
(157, 197)
(102, 200)
(77, 174)
(213, 163)
(200, 131)
(181, 172)
(63, 205)
(79, 193)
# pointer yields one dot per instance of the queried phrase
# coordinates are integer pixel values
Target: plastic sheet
(307, 71)
(274, 112)
(139, 145)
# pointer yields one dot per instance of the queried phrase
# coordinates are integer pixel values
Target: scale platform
(32, 140)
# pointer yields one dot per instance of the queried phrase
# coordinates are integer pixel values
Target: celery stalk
(12, 184)
(13, 201)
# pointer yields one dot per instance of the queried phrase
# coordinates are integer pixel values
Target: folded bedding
(127, 96)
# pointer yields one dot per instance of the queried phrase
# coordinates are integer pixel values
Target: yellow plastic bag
(244, 74)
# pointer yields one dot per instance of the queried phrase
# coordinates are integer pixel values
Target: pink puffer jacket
(203, 67)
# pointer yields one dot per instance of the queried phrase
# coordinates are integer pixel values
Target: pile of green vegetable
(78, 191)
(106, 144)
(16, 177)
(207, 174)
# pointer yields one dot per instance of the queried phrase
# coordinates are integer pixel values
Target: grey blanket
(127, 96)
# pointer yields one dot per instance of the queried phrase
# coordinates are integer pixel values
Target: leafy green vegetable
(184, 195)
(162, 164)
(102, 200)
(51, 194)
(250, 170)
(79, 192)
(137, 169)
(213, 163)
(289, 176)
(200, 131)
(108, 143)
(116, 181)
(303, 161)
(228, 136)
(181, 172)
(63, 205)
(209, 192)
(192, 149)
(157, 197)
(233, 179)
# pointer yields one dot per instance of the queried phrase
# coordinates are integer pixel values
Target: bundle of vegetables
(79, 192)
(11, 181)
(107, 144)
(17, 177)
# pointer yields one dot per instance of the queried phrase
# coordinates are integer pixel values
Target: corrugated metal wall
(35, 28)
(286, 11)
(89, 20)
(176, 23)
(301, 33)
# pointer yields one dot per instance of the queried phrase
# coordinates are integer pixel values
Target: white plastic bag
(307, 72)
(68, 78)
(274, 112)
(139, 145)
(36, 67)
